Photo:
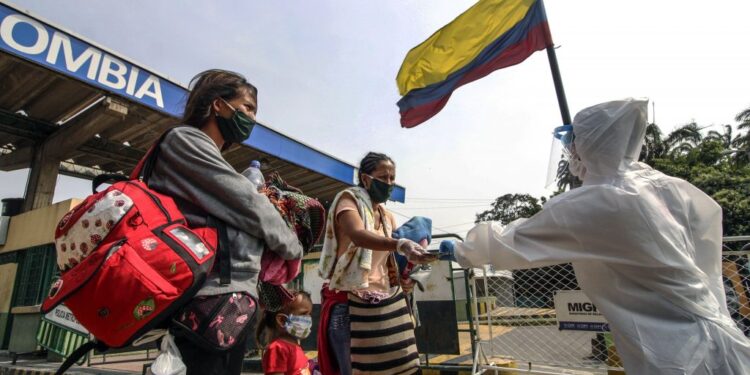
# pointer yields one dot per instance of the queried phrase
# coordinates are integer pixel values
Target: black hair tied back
(370, 162)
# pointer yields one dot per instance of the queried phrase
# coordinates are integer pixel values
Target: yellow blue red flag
(491, 35)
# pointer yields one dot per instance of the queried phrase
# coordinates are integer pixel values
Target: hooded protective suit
(646, 249)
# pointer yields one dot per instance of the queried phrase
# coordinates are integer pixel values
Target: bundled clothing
(419, 230)
(304, 215)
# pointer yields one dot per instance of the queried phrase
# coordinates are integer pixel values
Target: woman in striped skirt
(365, 325)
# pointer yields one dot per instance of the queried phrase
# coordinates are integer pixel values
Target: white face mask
(298, 325)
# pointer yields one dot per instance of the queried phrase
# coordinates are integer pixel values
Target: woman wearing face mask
(361, 280)
(283, 330)
(220, 111)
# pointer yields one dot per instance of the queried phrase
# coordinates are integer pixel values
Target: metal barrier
(60, 340)
(434, 310)
(522, 332)
(736, 273)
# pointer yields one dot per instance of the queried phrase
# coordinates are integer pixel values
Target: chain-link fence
(519, 326)
(736, 274)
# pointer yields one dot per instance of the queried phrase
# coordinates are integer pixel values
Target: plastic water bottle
(253, 174)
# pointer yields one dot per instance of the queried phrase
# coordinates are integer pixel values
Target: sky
(326, 76)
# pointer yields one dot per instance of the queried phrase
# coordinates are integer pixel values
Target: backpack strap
(225, 264)
(143, 171)
(145, 166)
(80, 353)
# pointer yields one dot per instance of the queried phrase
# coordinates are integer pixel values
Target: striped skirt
(382, 337)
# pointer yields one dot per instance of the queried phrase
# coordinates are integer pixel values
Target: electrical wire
(451, 199)
(457, 225)
(442, 207)
(409, 217)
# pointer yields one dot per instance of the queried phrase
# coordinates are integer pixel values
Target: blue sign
(33, 40)
(274, 143)
(30, 39)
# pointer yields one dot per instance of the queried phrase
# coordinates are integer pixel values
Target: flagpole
(555, 69)
(561, 100)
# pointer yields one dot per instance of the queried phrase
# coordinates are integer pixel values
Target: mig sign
(30, 39)
(576, 312)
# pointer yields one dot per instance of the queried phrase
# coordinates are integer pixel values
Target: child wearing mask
(283, 330)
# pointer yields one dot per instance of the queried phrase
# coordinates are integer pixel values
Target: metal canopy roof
(98, 113)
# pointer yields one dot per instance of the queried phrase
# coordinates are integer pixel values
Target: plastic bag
(169, 360)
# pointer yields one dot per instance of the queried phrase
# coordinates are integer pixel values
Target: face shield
(562, 152)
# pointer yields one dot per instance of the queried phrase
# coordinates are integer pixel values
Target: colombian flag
(491, 35)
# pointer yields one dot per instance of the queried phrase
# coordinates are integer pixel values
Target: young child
(284, 329)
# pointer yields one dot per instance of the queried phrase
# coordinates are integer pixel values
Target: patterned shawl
(350, 271)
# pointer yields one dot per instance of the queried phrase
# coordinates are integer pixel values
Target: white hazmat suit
(646, 249)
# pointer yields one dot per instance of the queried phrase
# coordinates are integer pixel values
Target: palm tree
(654, 146)
(743, 118)
(742, 141)
(729, 143)
(683, 139)
(725, 138)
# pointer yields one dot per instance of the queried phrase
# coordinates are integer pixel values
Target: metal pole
(470, 294)
(555, 69)
(559, 90)
(562, 101)
(487, 308)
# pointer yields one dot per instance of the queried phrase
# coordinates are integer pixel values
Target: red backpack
(128, 260)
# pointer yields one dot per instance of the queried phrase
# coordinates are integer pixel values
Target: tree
(743, 118)
(711, 164)
(654, 146)
(683, 139)
(510, 207)
(742, 142)
(725, 138)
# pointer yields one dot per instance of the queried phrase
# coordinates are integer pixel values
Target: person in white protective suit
(646, 249)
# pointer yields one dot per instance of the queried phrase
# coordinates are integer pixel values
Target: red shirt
(285, 357)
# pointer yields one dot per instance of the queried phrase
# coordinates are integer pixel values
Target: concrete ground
(113, 365)
(505, 339)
